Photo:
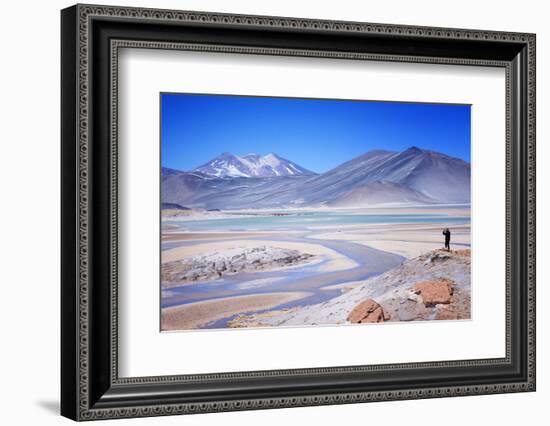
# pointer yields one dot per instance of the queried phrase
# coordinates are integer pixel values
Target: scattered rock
(438, 256)
(434, 292)
(367, 311)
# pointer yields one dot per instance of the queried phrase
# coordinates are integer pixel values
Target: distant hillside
(173, 206)
(378, 177)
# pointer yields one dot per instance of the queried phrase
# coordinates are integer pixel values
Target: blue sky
(314, 133)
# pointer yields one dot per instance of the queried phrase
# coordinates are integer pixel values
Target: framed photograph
(359, 232)
(263, 212)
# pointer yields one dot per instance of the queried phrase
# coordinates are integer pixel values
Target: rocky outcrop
(433, 286)
(367, 311)
(216, 265)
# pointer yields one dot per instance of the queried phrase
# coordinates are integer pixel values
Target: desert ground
(265, 268)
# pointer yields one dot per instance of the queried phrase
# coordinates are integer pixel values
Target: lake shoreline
(346, 256)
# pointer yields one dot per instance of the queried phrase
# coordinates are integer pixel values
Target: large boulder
(434, 292)
(367, 311)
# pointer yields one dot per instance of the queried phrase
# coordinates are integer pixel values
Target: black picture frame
(90, 386)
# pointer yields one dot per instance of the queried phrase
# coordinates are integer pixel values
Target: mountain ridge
(412, 176)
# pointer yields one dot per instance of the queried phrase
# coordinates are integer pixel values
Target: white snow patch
(270, 160)
(234, 171)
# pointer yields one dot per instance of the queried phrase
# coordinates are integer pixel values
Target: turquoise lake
(304, 220)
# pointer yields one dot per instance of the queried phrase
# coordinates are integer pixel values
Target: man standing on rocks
(447, 234)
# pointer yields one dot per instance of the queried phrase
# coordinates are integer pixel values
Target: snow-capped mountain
(251, 165)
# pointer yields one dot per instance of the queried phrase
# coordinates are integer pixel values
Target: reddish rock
(367, 311)
(435, 292)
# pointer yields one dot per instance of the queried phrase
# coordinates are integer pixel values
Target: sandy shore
(192, 236)
(197, 314)
(343, 287)
(408, 240)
